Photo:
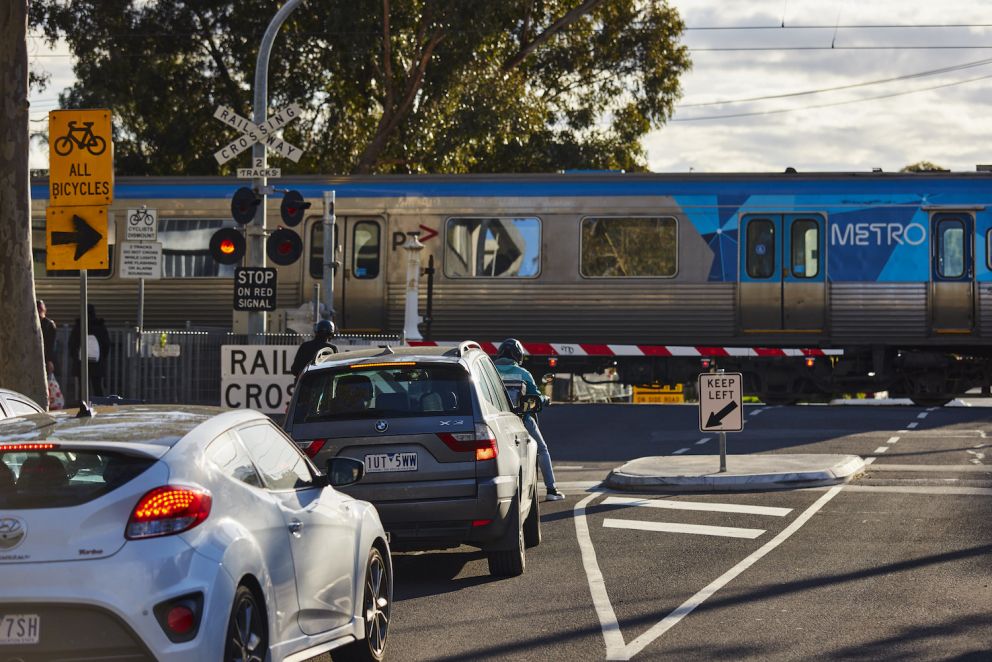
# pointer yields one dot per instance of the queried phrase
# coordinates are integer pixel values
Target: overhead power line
(852, 26)
(880, 81)
(828, 105)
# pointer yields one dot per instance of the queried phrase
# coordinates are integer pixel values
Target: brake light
(481, 522)
(311, 448)
(180, 619)
(168, 510)
(14, 448)
(482, 441)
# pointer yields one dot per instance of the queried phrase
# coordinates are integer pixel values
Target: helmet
(324, 327)
(511, 349)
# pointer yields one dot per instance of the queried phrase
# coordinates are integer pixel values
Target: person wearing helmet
(322, 331)
(508, 359)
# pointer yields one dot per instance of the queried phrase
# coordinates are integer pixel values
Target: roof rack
(463, 347)
(322, 355)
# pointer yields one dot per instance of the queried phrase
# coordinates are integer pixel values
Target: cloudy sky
(936, 109)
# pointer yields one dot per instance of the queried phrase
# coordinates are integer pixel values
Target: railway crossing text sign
(80, 158)
(721, 402)
(263, 134)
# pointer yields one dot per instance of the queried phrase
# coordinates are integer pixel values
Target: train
(810, 284)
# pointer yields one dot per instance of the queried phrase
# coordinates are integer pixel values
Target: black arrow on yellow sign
(84, 236)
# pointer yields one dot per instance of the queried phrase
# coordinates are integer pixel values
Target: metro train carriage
(872, 281)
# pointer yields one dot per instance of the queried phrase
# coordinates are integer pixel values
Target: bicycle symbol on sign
(81, 137)
(141, 216)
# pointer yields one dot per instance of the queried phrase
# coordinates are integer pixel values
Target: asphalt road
(896, 565)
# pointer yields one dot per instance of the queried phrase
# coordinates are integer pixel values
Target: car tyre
(247, 632)
(532, 525)
(510, 562)
(376, 604)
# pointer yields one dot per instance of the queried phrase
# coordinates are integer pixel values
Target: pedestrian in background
(322, 332)
(97, 349)
(48, 330)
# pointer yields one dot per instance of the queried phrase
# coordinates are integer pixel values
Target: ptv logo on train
(257, 377)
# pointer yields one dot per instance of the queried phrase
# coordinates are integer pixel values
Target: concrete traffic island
(700, 473)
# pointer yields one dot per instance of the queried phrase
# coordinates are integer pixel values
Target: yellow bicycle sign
(81, 158)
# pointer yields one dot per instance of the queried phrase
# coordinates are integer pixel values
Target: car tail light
(14, 448)
(312, 447)
(168, 510)
(179, 618)
(482, 441)
(481, 522)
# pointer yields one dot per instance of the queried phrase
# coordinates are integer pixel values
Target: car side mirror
(529, 404)
(549, 378)
(343, 471)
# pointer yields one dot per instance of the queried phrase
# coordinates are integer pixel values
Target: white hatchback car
(156, 533)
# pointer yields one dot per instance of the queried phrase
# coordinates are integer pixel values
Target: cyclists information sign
(80, 158)
(142, 225)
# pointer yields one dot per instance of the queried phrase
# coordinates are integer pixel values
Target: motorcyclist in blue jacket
(508, 359)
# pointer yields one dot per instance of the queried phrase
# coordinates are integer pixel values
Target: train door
(953, 273)
(782, 279)
(359, 281)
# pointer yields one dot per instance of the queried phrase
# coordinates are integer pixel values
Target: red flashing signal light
(284, 247)
(227, 246)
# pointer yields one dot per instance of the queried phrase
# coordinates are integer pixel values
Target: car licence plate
(390, 462)
(19, 629)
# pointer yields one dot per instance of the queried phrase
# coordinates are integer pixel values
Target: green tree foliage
(923, 166)
(415, 86)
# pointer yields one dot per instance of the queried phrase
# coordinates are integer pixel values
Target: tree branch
(387, 55)
(391, 117)
(233, 90)
(553, 29)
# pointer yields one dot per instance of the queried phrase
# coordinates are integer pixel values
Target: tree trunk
(22, 366)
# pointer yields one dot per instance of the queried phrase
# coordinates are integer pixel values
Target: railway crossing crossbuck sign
(263, 134)
(720, 402)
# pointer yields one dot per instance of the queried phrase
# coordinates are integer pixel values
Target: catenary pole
(256, 230)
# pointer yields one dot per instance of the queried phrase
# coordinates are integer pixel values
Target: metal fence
(173, 367)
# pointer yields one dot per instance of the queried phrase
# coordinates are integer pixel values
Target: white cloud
(945, 126)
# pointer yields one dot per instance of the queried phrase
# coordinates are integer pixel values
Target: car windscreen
(398, 390)
(63, 478)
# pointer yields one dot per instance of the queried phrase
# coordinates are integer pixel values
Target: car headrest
(42, 471)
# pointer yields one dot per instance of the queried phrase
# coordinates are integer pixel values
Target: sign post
(721, 400)
(80, 190)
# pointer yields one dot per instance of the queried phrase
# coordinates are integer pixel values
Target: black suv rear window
(63, 478)
(399, 390)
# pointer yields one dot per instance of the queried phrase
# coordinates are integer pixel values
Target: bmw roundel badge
(381, 426)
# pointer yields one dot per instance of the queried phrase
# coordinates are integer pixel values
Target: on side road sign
(721, 402)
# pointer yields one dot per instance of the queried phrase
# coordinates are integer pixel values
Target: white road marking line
(672, 527)
(755, 412)
(912, 425)
(963, 468)
(567, 467)
(702, 441)
(923, 489)
(870, 460)
(892, 440)
(881, 449)
(615, 648)
(680, 451)
(931, 409)
(697, 505)
(923, 414)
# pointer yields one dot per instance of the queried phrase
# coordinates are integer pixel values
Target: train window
(761, 248)
(39, 253)
(629, 247)
(365, 249)
(950, 234)
(805, 248)
(185, 247)
(492, 248)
